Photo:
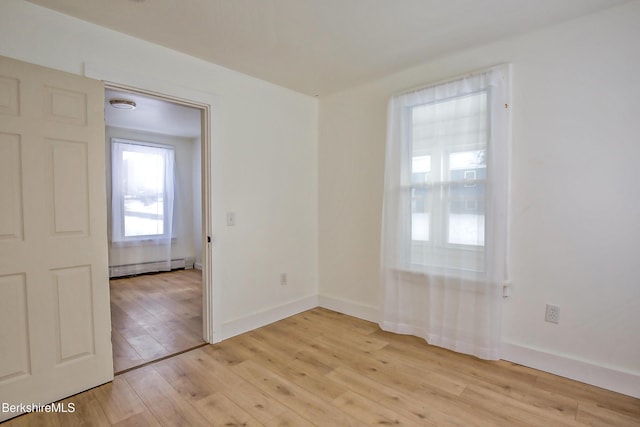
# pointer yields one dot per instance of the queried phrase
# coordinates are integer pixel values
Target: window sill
(420, 271)
(142, 242)
(454, 280)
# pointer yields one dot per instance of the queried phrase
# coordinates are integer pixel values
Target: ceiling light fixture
(122, 104)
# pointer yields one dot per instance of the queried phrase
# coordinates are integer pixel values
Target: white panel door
(55, 328)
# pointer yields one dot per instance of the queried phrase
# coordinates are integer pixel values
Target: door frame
(205, 178)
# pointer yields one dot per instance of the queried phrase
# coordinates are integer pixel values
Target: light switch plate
(231, 219)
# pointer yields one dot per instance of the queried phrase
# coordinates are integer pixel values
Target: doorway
(156, 228)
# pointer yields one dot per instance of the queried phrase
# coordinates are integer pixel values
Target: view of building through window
(142, 186)
(143, 193)
(448, 171)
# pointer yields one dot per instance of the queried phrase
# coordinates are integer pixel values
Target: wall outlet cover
(552, 314)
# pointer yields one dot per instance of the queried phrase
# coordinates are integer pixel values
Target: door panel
(14, 327)
(11, 188)
(74, 314)
(69, 194)
(9, 96)
(55, 330)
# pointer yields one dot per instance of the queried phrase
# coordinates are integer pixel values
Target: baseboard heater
(148, 267)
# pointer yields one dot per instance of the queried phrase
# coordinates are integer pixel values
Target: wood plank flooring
(154, 316)
(327, 369)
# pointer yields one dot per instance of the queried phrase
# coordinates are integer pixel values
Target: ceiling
(152, 115)
(322, 46)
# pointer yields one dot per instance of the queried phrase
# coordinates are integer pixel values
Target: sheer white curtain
(444, 231)
(141, 214)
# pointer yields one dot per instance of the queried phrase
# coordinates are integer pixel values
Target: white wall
(575, 201)
(264, 154)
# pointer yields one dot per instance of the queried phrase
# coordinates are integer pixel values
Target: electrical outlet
(283, 279)
(552, 314)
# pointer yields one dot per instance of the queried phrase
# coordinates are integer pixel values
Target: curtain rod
(450, 79)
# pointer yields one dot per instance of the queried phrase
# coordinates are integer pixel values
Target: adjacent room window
(142, 190)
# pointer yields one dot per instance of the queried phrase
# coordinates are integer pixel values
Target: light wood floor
(154, 316)
(327, 369)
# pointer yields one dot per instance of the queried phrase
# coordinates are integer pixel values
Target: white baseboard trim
(611, 379)
(248, 323)
(361, 311)
(146, 267)
(589, 373)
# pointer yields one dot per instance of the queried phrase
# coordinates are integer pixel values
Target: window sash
(433, 242)
(142, 190)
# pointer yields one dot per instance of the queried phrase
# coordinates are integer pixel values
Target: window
(446, 161)
(447, 143)
(142, 190)
(444, 256)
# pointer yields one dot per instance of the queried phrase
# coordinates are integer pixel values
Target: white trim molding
(351, 308)
(589, 373)
(116, 271)
(118, 78)
(262, 318)
(611, 379)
